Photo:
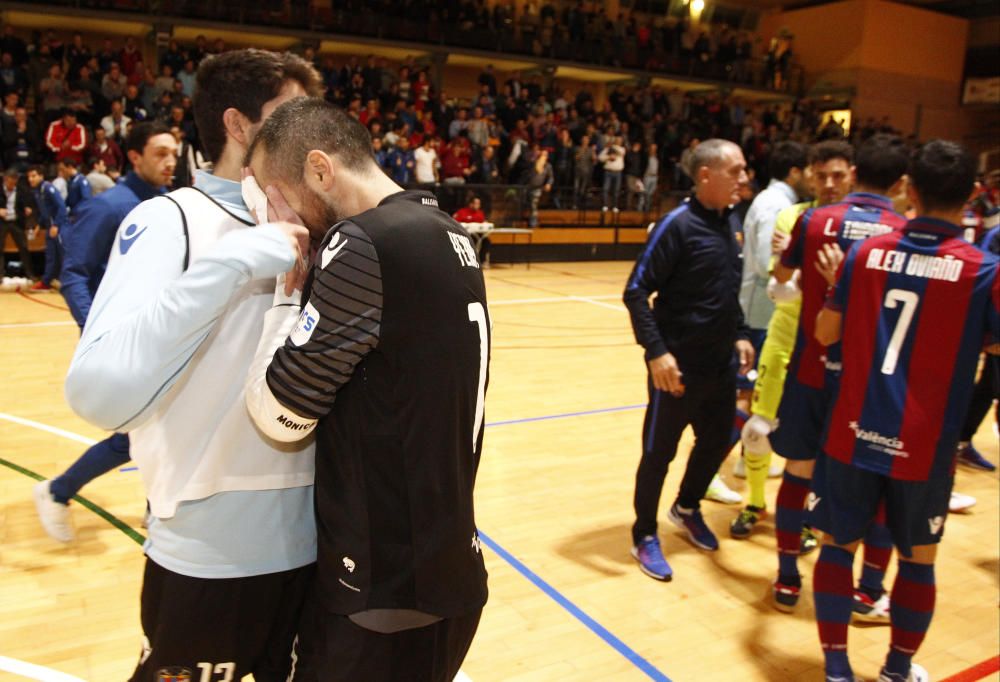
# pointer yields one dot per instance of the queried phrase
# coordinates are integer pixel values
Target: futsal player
(830, 175)
(912, 309)
(388, 363)
(152, 154)
(232, 541)
(879, 166)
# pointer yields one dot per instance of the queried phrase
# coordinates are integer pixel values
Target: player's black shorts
(844, 501)
(230, 627)
(745, 382)
(332, 648)
(801, 419)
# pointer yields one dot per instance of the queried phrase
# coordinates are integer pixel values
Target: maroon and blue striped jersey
(918, 306)
(859, 216)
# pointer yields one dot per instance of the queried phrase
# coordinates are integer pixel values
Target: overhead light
(697, 6)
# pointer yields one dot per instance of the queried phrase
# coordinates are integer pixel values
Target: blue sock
(788, 516)
(877, 552)
(833, 592)
(913, 596)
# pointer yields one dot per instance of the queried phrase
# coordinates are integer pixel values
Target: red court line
(39, 302)
(976, 672)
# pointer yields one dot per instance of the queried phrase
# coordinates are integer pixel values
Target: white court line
(22, 325)
(593, 301)
(37, 672)
(49, 429)
(551, 299)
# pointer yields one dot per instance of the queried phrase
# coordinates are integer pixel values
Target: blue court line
(129, 469)
(575, 611)
(567, 414)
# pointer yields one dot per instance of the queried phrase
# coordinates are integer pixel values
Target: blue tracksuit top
(51, 207)
(88, 243)
(77, 191)
(693, 262)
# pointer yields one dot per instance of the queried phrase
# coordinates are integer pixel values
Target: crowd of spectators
(576, 30)
(73, 101)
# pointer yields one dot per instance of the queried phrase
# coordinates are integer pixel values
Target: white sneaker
(775, 470)
(917, 674)
(53, 515)
(868, 611)
(718, 491)
(960, 503)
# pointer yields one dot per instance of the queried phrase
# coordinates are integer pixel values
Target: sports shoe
(808, 541)
(693, 524)
(786, 597)
(743, 524)
(917, 674)
(53, 515)
(718, 491)
(774, 470)
(650, 558)
(971, 457)
(960, 503)
(39, 286)
(868, 610)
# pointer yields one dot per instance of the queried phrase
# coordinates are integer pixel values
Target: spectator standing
(66, 138)
(426, 162)
(16, 203)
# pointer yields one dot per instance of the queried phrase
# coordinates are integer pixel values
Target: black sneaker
(743, 524)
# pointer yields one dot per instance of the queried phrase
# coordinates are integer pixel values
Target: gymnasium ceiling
(970, 9)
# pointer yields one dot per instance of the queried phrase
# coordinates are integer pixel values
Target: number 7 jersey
(918, 306)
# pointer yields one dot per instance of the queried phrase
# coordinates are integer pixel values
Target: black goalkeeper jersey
(391, 354)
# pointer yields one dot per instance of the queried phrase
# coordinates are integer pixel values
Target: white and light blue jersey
(164, 357)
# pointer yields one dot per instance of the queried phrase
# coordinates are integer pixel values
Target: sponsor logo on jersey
(890, 445)
(349, 564)
(304, 328)
(333, 249)
(935, 524)
(128, 237)
(290, 424)
(429, 201)
(812, 501)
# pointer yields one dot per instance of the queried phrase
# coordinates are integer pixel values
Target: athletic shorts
(220, 629)
(801, 420)
(333, 648)
(844, 501)
(745, 382)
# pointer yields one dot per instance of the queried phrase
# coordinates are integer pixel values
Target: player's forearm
(270, 415)
(127, 360)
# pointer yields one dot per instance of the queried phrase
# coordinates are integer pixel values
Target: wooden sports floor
(564, 414)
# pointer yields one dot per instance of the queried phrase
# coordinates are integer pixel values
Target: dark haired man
(912, 309)
(86, 249)
(168, 340)
(812, 370)
(388, 362)
(830, 176)
(52, 217)
(16, 202)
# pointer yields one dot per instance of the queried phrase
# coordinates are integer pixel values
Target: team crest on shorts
(935, 524)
